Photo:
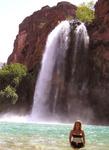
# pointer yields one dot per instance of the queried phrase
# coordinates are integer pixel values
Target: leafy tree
(9, 94)
(10, 79)
(85, 12)
(12, 74)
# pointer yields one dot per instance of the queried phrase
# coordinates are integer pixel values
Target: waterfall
(63, 78)
(78, 73)
(81, 37)
(54, 55)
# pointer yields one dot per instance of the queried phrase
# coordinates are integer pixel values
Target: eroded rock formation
(99, 61)
(30, 43)
(33, 31)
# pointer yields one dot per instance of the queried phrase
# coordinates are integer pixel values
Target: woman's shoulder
(71, 132)
(82, 131)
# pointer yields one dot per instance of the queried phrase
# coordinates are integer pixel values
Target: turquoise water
(28, 136)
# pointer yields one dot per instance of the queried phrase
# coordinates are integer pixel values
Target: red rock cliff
(99, 36)
(33, 31)
(30, 42)
(99, 61)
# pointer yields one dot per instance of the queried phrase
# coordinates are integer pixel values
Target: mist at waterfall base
(60, 96)
(61, 88)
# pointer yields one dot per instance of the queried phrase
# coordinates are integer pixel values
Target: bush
(85, 12)
(12, 74)
(10, 79)
(9, 94)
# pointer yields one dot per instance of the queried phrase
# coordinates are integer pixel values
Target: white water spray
(55, 51)
(81, 36)
(61, 78)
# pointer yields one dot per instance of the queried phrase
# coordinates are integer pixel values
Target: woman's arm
(83, 137)
(70, 136)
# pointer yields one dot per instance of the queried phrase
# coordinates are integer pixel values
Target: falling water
(77, 74)
(55, 52)
(81, 36)
(62, 82)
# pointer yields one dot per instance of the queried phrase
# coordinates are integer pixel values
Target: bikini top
(77, 135)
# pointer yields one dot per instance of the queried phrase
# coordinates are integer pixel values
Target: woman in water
(77, 136)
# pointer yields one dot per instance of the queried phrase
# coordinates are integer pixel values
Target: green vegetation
(85, 12)
(10, 79)
(12, 74)
(9, 94)
(69, 17)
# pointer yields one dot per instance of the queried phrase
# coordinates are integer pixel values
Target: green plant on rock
(69, 17)
(11, 77)
(8, 95)
(12, 74)
(85, 12)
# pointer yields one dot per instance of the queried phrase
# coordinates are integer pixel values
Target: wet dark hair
(79, 122)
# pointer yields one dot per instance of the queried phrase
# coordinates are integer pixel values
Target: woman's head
(77, 125)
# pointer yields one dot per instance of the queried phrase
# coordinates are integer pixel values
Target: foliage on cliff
(85, 12)
(12, 74)
(12, 78)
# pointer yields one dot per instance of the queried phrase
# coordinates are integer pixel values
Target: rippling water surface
(28, 136)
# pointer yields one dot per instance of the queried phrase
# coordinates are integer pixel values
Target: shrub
(10, 79)
(8, 95)
(12, 74)
(85, 12)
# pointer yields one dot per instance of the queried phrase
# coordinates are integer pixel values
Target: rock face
(99, 61)
(30, 43)
(33, 31)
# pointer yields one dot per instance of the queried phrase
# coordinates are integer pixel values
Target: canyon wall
(99, 61)
(33, 31)
(30, 43)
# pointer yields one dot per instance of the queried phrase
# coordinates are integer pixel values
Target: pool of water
(35, 136)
